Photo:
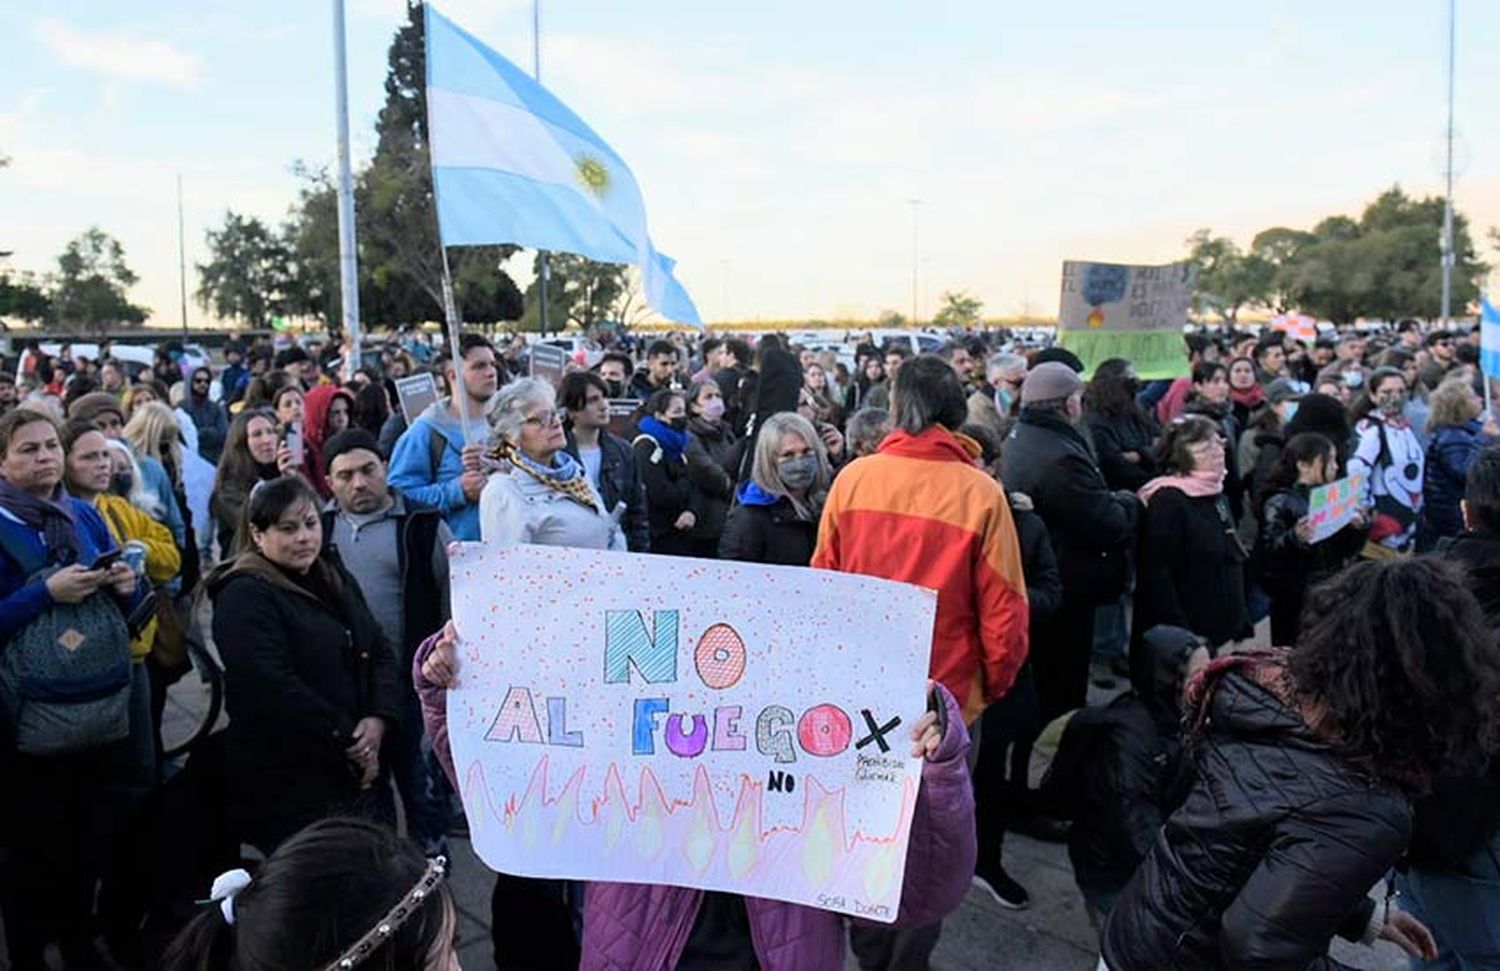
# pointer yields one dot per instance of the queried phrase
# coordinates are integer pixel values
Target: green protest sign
(1134, 312)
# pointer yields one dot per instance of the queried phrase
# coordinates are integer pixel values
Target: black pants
(1286, 618)
(59, 838)
(531, 925)
(1060, 649)
(1008, 728)
(894, 949)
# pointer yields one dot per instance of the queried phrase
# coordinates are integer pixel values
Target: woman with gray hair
(775, 517)
(537, 492)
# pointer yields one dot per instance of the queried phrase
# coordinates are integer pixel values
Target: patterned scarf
(565, 476)
(51, 517)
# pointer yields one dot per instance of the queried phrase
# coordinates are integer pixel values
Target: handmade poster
(1333, 506)
(659, 720)
(1134, 312)
(416, 393)
(548, 361)
(624, 415)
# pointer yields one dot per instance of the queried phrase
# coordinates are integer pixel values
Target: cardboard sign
(1133, 312)
(548, 361)
(624, 413)
(658, 720)
(1333, 506)
(416, 393)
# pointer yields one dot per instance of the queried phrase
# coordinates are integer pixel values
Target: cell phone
(293, 439)
(105, 560)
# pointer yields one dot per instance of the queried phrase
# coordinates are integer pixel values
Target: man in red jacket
(921, 511)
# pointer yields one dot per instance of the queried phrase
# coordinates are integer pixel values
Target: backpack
(65, 676)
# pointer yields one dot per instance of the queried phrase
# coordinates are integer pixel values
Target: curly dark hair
(1399, 655)
(1109, 393)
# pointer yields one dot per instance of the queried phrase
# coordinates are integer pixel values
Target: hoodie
(436, 484)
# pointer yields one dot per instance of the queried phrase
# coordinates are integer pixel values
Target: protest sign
(416, 393)
(548, 361)
(1134, 312)
(727, 726)
(624, 413)
(1331, 507)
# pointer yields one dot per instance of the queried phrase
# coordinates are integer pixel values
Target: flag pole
(348, 257)
(536, 72)
(460, 393)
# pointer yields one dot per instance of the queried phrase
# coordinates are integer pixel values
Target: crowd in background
(1083, 527)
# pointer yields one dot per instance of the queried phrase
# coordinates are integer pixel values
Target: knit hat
(1282, 390)
(1059, 354)
(351, 440)
(1050, 381)
(90, 406)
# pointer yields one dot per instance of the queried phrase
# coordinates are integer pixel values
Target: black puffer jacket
(1271, 855)
(1119, 771)
(762, 528)
(714, 477)
(1090, 526)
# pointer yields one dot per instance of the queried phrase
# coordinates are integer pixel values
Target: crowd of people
(1233, 803)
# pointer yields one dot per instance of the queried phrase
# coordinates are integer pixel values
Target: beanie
(351, 440)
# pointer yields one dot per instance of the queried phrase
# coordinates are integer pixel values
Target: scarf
(566, 476)
(1197, 484)
(1252, 398)
(671, 441)
(50, 517)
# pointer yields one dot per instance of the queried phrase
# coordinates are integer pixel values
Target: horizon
(777, 167)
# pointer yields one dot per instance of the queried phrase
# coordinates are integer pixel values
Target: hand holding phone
(105, 560)
(294, 446)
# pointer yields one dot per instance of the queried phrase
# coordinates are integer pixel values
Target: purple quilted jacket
(645, 927)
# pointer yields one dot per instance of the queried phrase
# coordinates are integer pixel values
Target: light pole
(348, 252)
(915, 251)
(1446, 244)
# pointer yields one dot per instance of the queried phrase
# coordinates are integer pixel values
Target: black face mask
(616, 388)
(120, 483)
(679, 423)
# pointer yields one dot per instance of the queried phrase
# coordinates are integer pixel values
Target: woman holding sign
(658, 927)
(1287, 558)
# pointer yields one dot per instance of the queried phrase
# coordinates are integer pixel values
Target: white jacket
(516, 508)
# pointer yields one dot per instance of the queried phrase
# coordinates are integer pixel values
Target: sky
(779, 144)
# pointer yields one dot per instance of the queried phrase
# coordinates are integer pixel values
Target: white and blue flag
(1489, 338)
(512, 164)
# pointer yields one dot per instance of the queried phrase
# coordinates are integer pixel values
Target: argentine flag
(512, 164)
(1489, 338)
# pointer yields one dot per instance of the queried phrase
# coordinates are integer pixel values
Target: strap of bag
(24, 556)
(437, 444)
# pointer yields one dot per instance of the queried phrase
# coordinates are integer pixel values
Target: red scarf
(1252, 398)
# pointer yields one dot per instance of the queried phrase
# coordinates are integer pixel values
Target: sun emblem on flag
(592, 174)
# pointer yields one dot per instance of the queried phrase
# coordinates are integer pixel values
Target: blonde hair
(763, 470)
(140, 497)
(1452, 404)
(153, 430)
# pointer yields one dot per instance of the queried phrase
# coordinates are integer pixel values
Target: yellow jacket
(163, 559)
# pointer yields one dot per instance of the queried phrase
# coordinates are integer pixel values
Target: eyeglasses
(543, 419)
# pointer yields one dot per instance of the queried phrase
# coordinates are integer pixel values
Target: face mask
(1353, 379)
(1291, 411)
(713, 410)
(798, 472)
(120, 483)
(679, 423)
(616, 388)
(1003, 399)
(1392, 403)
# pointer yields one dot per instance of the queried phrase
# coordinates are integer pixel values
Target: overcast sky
(777, 142)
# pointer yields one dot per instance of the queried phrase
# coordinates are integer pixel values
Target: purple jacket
(645, 927)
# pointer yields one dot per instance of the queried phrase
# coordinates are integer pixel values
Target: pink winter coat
(633, 927)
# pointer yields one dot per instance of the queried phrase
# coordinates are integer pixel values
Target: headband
(387, 926)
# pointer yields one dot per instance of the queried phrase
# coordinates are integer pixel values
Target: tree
(23, 297)
(1278, 248)
(579, 291)
(398, 221)
(92, 282)
(249, 272)
(959, 311)
(890, 319)
(1227, 279)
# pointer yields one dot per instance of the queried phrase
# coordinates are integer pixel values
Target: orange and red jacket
(920, 511)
